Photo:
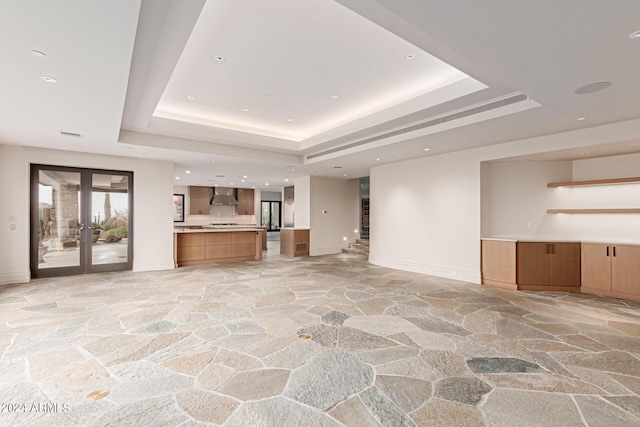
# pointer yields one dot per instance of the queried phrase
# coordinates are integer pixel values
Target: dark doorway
(270, 215)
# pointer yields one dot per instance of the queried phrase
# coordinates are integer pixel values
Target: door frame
(271, 214)
(85, 246)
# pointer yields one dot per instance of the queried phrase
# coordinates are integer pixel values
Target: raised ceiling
(126, 68)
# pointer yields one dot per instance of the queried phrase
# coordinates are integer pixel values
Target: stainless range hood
(223, 196)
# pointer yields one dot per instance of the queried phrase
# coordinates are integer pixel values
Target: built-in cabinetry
(546, 266)
(288, 193)
(294, 242)
(611, 270)
(199, 200)
(246, 204)
(192, 248)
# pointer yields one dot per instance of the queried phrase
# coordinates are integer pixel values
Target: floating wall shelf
(594, 211)
(595, 182)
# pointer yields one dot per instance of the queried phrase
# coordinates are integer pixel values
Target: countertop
(216, 229)
(542, 240)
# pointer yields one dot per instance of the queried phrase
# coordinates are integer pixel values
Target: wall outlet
(12, 227)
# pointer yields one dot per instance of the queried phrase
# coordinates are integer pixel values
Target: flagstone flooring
(321, 341)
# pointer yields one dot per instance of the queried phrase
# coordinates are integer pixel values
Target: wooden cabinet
(246, 201)
(548, 266)
(294, 242)
(531, 265)
(288, 193)
(199, 200)
(611, 270)
(208, 247)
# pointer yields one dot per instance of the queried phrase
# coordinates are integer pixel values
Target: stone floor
(321, 341)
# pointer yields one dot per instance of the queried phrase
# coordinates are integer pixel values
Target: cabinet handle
(614, 251)
(546, 248)
(553, 250)
(607, 250)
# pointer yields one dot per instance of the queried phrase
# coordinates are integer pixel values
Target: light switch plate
(13, 220)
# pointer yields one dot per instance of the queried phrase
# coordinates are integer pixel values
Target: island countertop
(217, 229)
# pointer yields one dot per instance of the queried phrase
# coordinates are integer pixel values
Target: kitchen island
(193, 246)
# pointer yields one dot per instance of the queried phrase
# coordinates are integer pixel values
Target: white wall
(614, 228)
(340, 199)
(271, 196)
(302, 196)
(517, 199)
(153, 216)
(425, 216)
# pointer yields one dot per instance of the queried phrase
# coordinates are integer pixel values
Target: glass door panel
(80, 220)
(270, 215)
(275, 216)
(110, 221)
(58, 223)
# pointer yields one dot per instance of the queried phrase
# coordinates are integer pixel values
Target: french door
(81, 220)
(270, 215)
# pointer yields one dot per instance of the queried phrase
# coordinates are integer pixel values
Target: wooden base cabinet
(611, 270)
(548, 266)
(534, 266)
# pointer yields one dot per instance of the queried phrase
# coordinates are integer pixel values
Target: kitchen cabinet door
(595, 266)
(533, 263)
(564, 264)
(246, 201)
(625, 269)
(199, 200)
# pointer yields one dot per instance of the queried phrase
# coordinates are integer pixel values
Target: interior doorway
(270, 215)
(81, 220)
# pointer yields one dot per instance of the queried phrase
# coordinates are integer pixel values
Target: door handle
(546, 246)
(607, 250)
(82, 227)
(553, 251)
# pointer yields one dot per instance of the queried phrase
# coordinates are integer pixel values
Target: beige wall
(334, 214)
(153, 217)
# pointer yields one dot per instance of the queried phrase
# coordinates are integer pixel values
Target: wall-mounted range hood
(223, 196)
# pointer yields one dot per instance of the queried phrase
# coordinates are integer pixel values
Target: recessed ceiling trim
(433, 122)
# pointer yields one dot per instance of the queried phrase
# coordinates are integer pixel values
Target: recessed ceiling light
(335, 96)
(187, 171)
(410, 56)
(592, 87)
(219, 58)
(293, 170)
(581, 118)
(39, 53)
(215, 185)
(286, 180)
(345, 174)
(49, 79)
(242, 180)
(635, 35)
(378, 159)
(266, 183)
(231, 183)
(245, 109)
(427, 149)
(213, 161)
(177, 177)
(253, 186)
(289, 120)
(191, 97)
(244, 176)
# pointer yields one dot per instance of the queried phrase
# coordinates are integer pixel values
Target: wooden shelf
(594, 182)
(594, 211)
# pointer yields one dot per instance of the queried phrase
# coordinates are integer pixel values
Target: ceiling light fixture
(293, 170)
(253, 186)
(427, 149)
(187, 171)
(335, 96)
(635, 35)
(581, 118)
(244, 176)
(242, 180)
(345, 174)
(592, 87)
(378, 159)
(38, 53)
(410, 56)
(49, 79)
(286, 180)
(177, 177)
(289, 120)
(231, 183)
(190, 97)
(245, 109)
(219, 58)
(266, 183)
(213, 161)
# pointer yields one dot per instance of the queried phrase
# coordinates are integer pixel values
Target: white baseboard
(153, 265)
(433, 270)
(325, 251)
(12, 277)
